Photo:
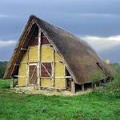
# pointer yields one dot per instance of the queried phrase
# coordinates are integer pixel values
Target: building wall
(22, 74)
(47, 54)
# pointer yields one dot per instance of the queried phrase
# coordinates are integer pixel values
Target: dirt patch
(32, 90)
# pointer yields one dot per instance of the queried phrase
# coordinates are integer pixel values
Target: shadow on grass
(6, 87)
(5, 84)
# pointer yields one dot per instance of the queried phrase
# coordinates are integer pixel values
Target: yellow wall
(46, 82)
(33, 54)
(59, 75)
(57, 57)
(25, 58)
(30, 56)
(47, 55)
(22, 75)
(59, 69)
(60, 83)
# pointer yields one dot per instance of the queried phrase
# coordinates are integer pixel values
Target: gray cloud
(7, 43)
(64, 6)
(81, 17)
(6, 53)
(106, 47)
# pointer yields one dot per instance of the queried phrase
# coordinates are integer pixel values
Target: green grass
(91, 106)
(114, 86)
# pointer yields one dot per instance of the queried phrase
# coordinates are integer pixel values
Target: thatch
(81, 60)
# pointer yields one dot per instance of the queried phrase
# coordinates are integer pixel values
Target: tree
(3, 66)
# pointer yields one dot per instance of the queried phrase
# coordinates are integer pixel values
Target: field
(91, 106)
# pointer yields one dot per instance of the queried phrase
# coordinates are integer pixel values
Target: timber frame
(81, 61)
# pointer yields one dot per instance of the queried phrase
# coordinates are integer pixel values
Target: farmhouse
(49, 57)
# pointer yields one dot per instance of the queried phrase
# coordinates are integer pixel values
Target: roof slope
(81, 60)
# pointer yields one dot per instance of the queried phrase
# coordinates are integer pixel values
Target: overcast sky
(95, 21)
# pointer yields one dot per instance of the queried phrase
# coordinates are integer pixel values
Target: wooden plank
(39, 58)
(12, 83)
(18, 76)
(53, 68)
(83, 87)
(24, 49)
(63, 77)
(73, 87)
(27, 72)
(27, 76)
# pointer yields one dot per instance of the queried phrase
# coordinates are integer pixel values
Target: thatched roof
(81, 60)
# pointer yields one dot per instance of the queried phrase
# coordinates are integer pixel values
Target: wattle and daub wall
(55, 74)
(84, 67)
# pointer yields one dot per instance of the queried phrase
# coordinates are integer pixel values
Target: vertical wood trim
(39, 58)
(27, 76)
(12, 83)
(72, 87)
(65, 76)
(27, 73)
(83, 87)
(53, 67)
(95, 85)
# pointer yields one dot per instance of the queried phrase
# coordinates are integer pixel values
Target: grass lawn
(91, 106)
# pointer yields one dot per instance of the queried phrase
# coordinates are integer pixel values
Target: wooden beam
(53, 67)
(73, 87)
(27, 69)
(104, 81)
(13, 69)
(23, 49)
(27, 72)
(16, 64)
(95, 85)
(63, 77)
(12, 83)
(58, 77)
(83, 87)
(39, 57)
(18, 76)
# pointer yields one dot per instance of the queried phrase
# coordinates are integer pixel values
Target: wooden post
(94, 85)
(39, 60)
(27, 72)
(99, 83)
(104, 81)
(12, 83)
(73, 87)
(53, 68)
(83, 87)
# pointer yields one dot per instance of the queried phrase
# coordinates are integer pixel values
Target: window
(46, 70)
